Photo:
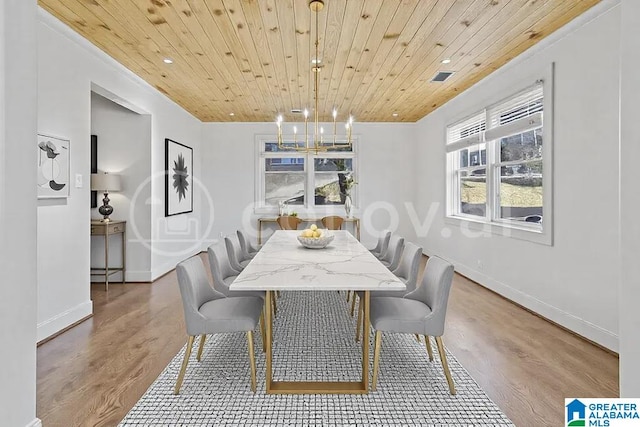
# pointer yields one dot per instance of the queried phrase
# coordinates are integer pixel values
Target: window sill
(470, 227)
(301, 211)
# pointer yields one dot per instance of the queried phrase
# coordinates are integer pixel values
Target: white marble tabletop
(345, 264)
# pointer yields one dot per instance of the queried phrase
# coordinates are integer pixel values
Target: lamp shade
(105, 182)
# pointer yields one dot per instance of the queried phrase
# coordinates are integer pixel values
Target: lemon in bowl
(315, 238)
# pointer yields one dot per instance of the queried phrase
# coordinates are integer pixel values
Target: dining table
(283, 264)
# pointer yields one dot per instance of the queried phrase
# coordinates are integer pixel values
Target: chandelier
(317, 141)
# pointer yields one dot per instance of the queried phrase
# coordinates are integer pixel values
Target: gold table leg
(318, 387)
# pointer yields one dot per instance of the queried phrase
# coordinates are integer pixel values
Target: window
(302, 180)
(497, 163)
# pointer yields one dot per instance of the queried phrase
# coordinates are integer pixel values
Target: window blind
(517, 114)
(467, 132)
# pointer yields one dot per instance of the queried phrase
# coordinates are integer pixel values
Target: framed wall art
(53, 167)
(178, 178)
(94, 167)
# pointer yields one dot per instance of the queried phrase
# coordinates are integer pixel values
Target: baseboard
(63, 320)
(579, 326)
(169, 266)
(139, 276)
(35, 423)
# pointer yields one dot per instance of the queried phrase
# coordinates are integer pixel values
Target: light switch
(78, 180)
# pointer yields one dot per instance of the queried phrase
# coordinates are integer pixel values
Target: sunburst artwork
(178, 178)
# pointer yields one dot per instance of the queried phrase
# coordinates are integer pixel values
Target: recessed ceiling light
(168, 61)
(232, 114)
(395, 114)
(446, 61)
(316, 61)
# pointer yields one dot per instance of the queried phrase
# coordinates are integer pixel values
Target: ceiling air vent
(296, 111)
(442, 76)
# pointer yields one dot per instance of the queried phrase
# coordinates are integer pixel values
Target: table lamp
(105, 182)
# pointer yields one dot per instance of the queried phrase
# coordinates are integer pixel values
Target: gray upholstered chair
(391, 258)
(378, 252)
(223, 275)
(383, 243)
(407, 271)
(209, 312)
(248, 249)
(237, 258)
(422, 312)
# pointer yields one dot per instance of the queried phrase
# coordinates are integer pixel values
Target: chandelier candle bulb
(318, 143)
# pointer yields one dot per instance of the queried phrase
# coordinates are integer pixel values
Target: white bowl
(315, 242)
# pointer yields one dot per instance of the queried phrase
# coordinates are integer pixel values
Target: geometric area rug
(314, 339)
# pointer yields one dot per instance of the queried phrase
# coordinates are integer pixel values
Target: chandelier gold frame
(318, 139)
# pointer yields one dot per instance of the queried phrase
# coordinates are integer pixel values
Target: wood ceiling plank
(390, 49)
(329, 83)
(287, 32)
(481, 16)
(469, 55)
(258, 33)
(305, 49)
(444, 33)
(514, 42)
(59, 9)
(281, 78)
(401, 52)
(182, 19)
(240, 97)
(389, 25)
(189, 34)
(271, 99)
(252, 57)
(144, 57)
(142, 28)
(230, 20)
(374, 12)
(329, 41)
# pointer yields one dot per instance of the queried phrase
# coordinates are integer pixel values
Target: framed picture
(53, 167)
(178, 193)
(94, 167)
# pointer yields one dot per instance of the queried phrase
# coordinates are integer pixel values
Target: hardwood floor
(94, 373)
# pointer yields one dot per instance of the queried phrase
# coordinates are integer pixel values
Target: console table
(106, 229)
(355, 221)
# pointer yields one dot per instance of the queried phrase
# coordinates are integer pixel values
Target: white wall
(124, 147)
(385, 174)
(630, 201)
(18, 212)
(68, 65)
(574, 281)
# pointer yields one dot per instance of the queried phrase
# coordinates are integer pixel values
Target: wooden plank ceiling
(252, 58)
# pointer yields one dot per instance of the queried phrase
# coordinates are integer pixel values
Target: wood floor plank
(94, 373)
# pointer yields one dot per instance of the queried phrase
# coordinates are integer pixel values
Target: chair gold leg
(353, 304)
(359, 322)
(417, 337)
(273, 303)
(445, 365)
(263, 332)
(185, 362)
(427, 343)
(376, 359)
(252, 360)
(203, 337)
